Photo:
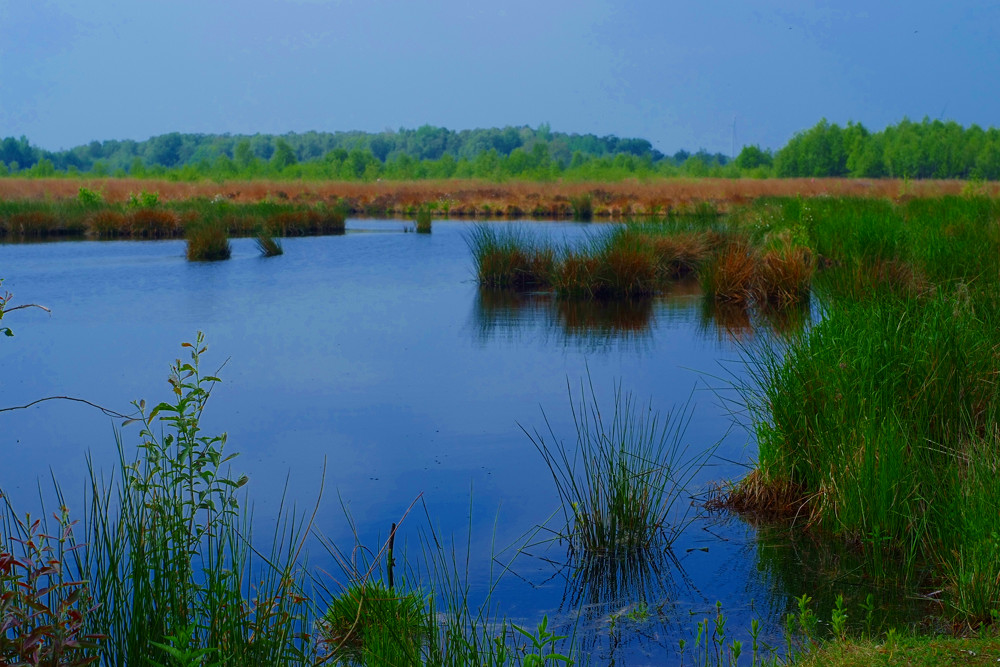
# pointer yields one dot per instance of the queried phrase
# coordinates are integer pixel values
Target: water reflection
(619, 605)
(800, 562)
(509, 315)
(589, 323)
(739, 322)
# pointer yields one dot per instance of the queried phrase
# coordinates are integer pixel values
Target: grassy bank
(454, 198)
(880, 425)
(146, 215)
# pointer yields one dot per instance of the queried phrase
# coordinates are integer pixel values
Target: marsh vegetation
(867, 335)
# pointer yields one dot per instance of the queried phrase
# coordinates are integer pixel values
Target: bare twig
(108, 411)
(26, 305)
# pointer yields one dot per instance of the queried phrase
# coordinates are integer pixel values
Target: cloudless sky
(676, 73)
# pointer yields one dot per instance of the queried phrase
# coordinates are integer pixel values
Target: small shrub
(143, 199)
(89, 198)
(42, 614)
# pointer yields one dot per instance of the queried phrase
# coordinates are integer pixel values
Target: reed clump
(153, 223)
(732, 274)
(268, 245)
(583, 207)
(207, 242)
(682, 254)
(371, 621)
(785, 273)
(423, 218)
(621, 483)
(507, 257)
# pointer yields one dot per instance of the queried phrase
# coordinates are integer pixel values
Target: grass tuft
(207, 242)
(622, 482)
(268, 245)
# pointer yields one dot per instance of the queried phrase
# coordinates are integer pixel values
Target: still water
(376, 353)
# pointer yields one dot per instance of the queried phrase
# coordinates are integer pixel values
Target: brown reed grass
(107, 223)
(733, 275)
(153, 223)
(679, 255)
(761, 496)
(577, 274)
(785, 275)
(627, 270)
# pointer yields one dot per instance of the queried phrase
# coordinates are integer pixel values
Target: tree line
(929, 149)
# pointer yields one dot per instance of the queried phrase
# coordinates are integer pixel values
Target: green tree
(752, 157)
(284, 155)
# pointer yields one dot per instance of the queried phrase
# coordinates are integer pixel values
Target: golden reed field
(472, 198)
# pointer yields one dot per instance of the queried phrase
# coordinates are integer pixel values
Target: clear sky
(677, 73)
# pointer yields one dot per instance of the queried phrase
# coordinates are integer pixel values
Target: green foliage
(89, 198)
(543, 646)
(144, 199)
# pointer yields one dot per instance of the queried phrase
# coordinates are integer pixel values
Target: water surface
(376, 352)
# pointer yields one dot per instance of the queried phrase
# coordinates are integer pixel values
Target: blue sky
(676, 73)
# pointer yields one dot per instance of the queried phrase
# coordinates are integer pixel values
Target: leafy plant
(143, 199)
(90, 198)
(43, 615)
(543, 644)
(170, 557)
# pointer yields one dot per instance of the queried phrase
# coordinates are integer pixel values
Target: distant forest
(928, 149)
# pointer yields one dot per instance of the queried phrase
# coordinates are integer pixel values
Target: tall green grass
(880, 425)
(509, 257)
(622, 481)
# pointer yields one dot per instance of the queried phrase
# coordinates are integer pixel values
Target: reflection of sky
(360, 350)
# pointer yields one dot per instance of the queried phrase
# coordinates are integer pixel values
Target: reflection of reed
(602, 583)
(739, 321)
(508, 313)
(610, 318)
(790, 560)
(728, 320)
(504, 313)
(605, 589)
